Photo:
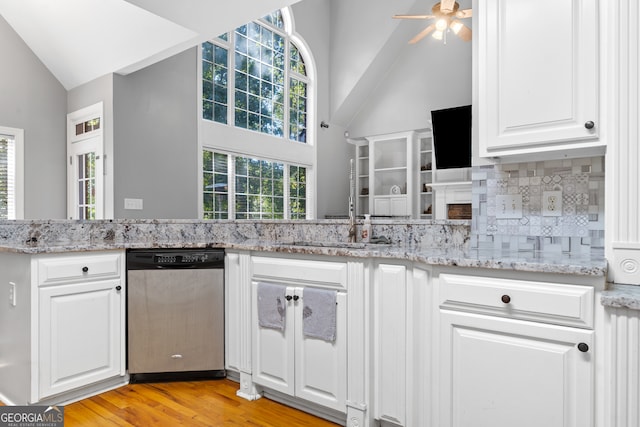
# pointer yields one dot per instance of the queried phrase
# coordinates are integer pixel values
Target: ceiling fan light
(456, 26)
(438, 34)
(441, 24)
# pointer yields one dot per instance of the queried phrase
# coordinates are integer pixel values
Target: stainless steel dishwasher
(175, 314)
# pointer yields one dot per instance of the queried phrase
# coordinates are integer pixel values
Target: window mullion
(231, 79)
(287, 103)
(231, 186)
(286, 192)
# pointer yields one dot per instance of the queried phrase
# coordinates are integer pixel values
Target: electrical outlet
(133, 204)
(552, 203)
(12, 294)
(509, 206)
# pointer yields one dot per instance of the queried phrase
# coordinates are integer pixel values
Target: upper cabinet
(538, 81)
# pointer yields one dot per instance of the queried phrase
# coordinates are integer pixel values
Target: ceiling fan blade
(465, 13)
(413, 16)
(464, 32)
(422, 34)
(446, 6)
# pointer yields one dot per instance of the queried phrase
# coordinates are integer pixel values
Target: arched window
(262, 86)
(257, 78)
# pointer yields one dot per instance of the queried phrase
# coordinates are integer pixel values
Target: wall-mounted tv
(452, 137)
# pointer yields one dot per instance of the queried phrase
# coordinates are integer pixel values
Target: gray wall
(313, 23)
(33, 100)
(155, 139)
(100, 89)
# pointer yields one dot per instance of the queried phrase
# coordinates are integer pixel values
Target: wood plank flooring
(197, 403)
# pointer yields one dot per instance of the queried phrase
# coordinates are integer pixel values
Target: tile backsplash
(578, 226)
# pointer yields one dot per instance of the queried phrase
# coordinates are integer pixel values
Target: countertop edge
(452, 257)
(621, 296)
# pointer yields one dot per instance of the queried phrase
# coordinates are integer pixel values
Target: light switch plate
(509, 206)
(133, 204)
(552, 203)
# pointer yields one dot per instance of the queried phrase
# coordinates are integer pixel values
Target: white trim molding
(622, 181)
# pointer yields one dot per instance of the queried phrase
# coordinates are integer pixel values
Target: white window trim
(94, 137)
(231, 190)
(18, 170)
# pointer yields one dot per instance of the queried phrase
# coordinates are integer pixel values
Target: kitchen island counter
(443, 243)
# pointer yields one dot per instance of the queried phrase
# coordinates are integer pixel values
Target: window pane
(297, 192)
(259, 188)
(297, 110)
(214, 82)
(215, 179)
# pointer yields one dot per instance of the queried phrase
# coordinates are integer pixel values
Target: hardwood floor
(197, 403)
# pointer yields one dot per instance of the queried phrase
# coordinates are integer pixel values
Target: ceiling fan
(447, 15)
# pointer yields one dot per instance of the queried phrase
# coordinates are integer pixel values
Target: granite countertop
(443, 243)
(621, 296)
(439, 243)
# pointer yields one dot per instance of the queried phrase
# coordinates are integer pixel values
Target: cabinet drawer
(555, 303)
(73, 268)
(300, 271)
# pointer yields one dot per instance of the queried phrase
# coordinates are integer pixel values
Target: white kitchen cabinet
(64, 333)
(510, 353)
(288, 361)
(401, 344)
(81, 320)
(81, 331)
(538, 78)
(309, 368)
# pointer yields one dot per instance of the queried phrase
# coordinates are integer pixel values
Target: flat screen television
(452, 137)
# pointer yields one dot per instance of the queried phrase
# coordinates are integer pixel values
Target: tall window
(11, 173)
(258, 190)
(266, 89)
(257, 77)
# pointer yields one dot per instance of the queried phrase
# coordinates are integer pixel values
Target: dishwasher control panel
(139, 259)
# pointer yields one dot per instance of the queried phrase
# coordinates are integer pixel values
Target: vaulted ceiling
(80, 40)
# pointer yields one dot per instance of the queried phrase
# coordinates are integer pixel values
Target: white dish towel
(272, 305)
(319, 313)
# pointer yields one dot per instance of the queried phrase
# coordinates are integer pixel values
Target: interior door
(85, 164)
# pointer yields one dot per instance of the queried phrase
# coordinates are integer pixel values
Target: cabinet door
(390, 206)
(81, 335)
(538, 75)
(321, 366)
(499, 372)
(399, 206)
(274, 352)
(390, 345)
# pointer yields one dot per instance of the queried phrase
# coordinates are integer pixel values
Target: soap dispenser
(366, 229)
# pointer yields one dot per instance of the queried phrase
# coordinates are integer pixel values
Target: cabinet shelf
(399, 168)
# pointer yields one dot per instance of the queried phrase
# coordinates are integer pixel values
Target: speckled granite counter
(442, 243)
(622, 296)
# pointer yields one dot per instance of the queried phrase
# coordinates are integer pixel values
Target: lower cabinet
(80, 335)
(510, 355)
(401, 338)
(309, 368)
(288, 361)
(386, 205)
(63, 333)
(503, 373)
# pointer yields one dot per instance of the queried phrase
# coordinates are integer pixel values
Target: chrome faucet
(352, 214)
